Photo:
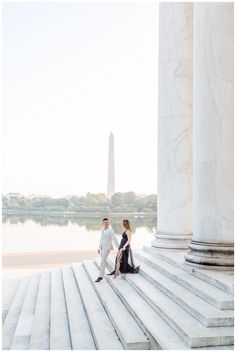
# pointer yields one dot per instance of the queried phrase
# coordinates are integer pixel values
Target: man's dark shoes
(112, 273)
(99, 279)
(136, 270)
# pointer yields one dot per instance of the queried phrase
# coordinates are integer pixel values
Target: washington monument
(111, 167)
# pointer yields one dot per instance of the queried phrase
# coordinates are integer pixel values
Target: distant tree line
(127, 202)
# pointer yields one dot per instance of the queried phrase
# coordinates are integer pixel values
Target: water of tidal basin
(43, 234)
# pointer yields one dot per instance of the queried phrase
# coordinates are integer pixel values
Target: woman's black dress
(125, 266)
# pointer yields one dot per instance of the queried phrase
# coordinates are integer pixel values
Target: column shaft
(212, 243)
(175, 126)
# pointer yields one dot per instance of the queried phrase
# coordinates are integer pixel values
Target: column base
(210, 255)
(172, 241)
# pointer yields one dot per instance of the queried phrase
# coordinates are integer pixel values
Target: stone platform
(166, 306)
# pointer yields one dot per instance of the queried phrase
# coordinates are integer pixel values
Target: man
(105, 246)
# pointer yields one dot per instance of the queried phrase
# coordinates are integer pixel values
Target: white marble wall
(213, 122)
(175, 122)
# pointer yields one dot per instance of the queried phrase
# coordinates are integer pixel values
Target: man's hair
(105, 219)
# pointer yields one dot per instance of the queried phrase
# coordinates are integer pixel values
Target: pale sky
(73, 72)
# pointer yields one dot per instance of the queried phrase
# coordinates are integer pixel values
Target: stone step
(81, 335)
(211, 294)
(9, 288)
(200, 309)
(173, 256)
(13, 314)
(221, 280)
(104, 334)
(191, 330)
(129, 332)
(59, 325)
(161, 335)
(40, 334)
(23, 330)
(215, 348)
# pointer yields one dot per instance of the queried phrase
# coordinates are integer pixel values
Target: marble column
(174, 215)
(212, 242)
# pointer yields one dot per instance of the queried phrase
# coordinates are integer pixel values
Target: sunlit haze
(72, 73)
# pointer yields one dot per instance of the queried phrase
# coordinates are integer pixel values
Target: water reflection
(91, 223)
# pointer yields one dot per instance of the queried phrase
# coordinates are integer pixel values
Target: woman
(121, 264)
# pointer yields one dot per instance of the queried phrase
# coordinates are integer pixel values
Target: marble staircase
(166, 306)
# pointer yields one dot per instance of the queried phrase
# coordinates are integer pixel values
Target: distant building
(13, 195)
(111, 167)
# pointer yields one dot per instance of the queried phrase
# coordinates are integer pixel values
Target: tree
(75, 199)
(91, 199)
(101, 197)
(62, 202)
(139, 204)
(117, 199)
(129, 197)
